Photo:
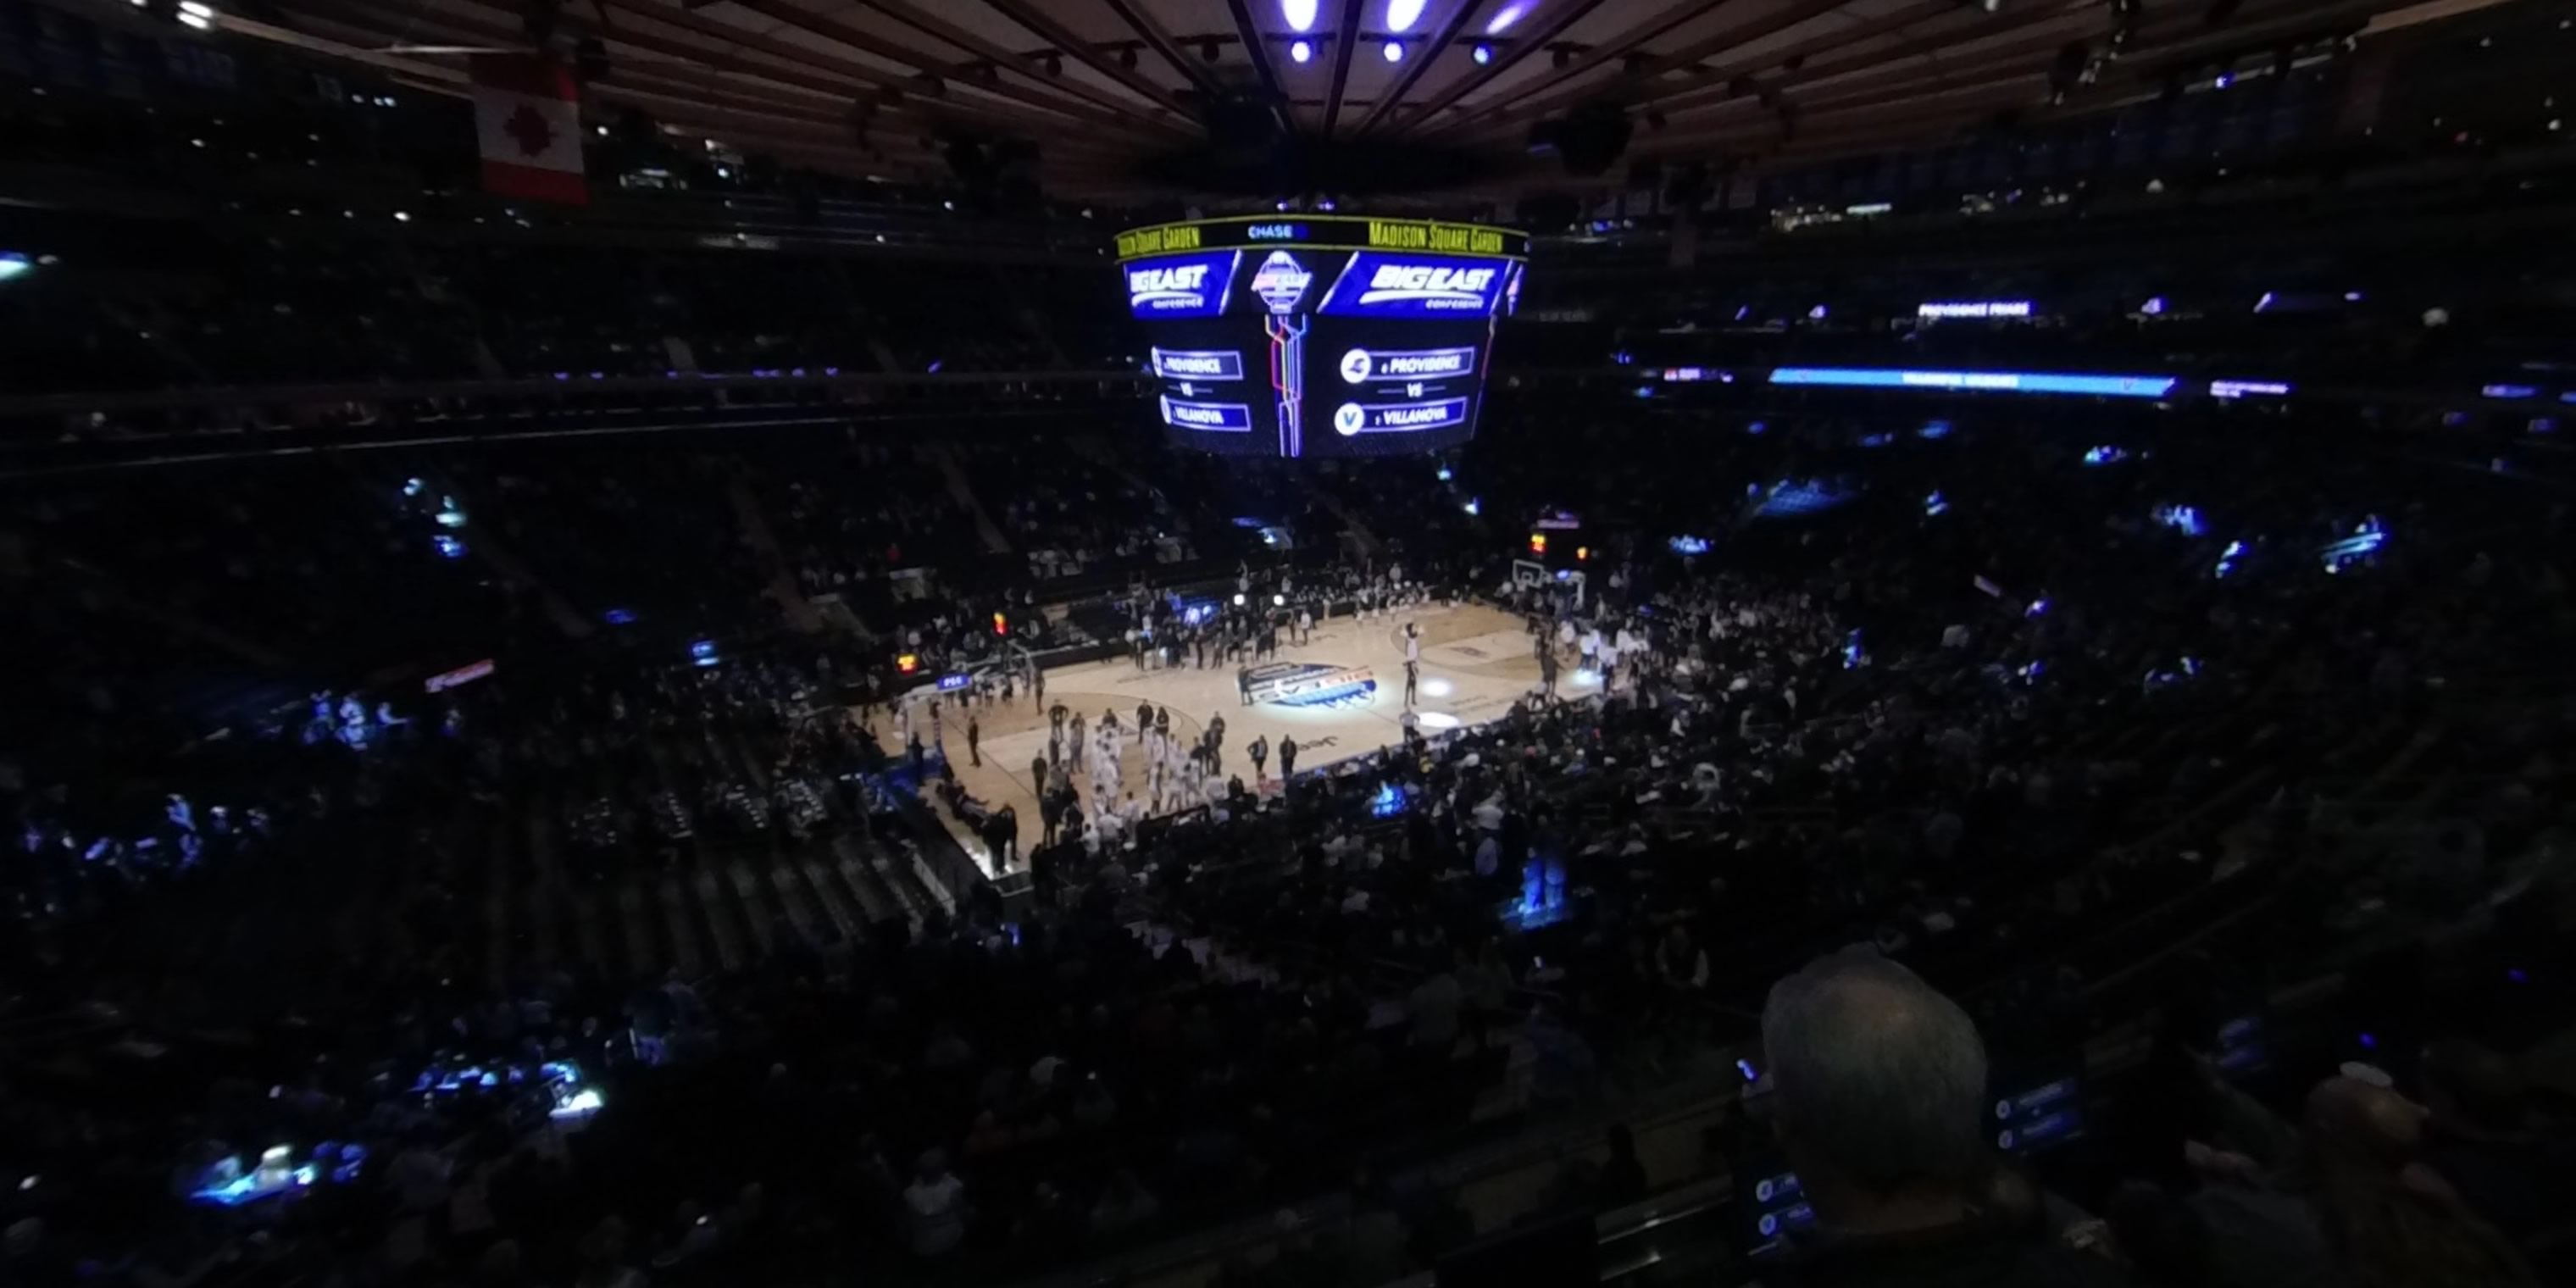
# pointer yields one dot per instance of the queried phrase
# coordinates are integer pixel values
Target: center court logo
(1281, 281)
(1310, 685)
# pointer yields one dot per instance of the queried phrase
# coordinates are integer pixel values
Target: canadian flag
(527, 118)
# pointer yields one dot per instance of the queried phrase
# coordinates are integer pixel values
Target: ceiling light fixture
(1483, 53)
(1394, 51)
(1301, 51)
(1402, 14)
(1504, 18)
(1300, 14)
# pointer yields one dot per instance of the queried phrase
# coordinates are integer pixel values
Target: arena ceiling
(1125, 100)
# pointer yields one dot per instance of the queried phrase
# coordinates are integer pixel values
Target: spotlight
(1564, 57)
(1054, 65)
(1127, 58)
(1299, 13)
(1207, 50)
(1301, 51)
(1394, 51)
(1402, 14)
(1505, 17)
(1483, 53)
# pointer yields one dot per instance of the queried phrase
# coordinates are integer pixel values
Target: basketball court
(1339, 695)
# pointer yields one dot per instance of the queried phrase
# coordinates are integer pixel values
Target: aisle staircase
(783, 589)
(486, 543)
(963, 493)
(1351, 525)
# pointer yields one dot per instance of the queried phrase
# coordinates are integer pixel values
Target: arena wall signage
(2013, 382)
(466, 674)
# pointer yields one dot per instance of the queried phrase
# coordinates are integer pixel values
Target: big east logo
(1178, 286)
(1437, 286)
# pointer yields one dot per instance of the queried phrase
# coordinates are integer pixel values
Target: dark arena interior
(1287, 643)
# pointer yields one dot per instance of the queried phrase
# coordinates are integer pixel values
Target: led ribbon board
(2016, 382)
(1941, 309)
(1323, 232)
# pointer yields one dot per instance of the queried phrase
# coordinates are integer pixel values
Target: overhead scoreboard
(1320, 335)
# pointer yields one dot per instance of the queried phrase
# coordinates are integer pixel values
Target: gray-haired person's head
(1878, 1077)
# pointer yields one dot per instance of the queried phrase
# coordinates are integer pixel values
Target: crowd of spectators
(504, 831)
(1991, 703)
(120, 305)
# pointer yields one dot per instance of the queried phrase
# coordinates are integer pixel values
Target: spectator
(1879, 1089)
(935, 1207)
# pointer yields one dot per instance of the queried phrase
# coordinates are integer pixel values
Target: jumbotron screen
(1320, 335)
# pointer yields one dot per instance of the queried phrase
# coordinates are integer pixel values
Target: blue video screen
(2033, 1116)
(1774, 1210)
(1301, 349)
